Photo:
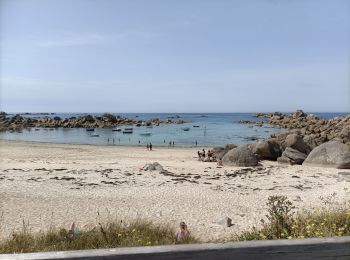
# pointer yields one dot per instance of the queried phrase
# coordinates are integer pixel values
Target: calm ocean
(215, 129)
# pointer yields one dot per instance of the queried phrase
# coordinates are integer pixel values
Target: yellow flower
(134, 230)
(149, 243)
(301, 237)
(119, 235)
(290, 237)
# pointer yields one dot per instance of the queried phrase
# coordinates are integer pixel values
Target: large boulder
(219, 152)
(268, 150)
(311, 141)
(292, 156)
(296, 142)
(330, 154)
(240, 156)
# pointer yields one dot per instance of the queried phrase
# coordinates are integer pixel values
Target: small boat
(94, 135)
(145, 134)
(186, 128)
(37, 129)
(127, 131)
(116, 129)
(90, 129)
(196, 126)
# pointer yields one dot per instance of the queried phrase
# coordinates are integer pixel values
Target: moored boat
(145, 134)
(127, 131)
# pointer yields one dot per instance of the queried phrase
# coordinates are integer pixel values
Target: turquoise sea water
(214, 129)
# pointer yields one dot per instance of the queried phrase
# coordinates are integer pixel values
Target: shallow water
(214, 129)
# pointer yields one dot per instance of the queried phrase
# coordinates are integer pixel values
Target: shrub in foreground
(282, 222)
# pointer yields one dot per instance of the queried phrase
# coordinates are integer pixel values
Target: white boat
(116, 129)
(127, 131)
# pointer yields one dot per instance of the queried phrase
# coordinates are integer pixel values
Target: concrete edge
(176, 248)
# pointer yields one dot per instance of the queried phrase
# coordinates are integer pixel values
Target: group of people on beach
(171, 143)
(149, 146)
(206, 157)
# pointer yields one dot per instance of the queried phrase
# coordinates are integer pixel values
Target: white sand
(108, 183)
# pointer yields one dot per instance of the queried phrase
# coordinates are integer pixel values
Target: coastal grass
(109, 235)
(329, 220)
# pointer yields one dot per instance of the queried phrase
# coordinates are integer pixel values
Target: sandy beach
(56, 184)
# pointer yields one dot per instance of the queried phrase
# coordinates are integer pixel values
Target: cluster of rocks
(107, 120)
(258, 123)
(316, 130)
(292, 150)
(310, 141)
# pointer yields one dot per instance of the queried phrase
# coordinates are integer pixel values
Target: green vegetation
(110, 235)
(283, 223)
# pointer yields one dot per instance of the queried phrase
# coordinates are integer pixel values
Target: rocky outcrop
(320, 130)
(330, 154)
(292, 156)
(240, 156)
(106, 120)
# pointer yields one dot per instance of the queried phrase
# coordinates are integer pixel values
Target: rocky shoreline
(310, 140)
(107, 120)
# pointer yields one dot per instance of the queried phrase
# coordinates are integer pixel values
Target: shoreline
(54, 185)
(99, 145)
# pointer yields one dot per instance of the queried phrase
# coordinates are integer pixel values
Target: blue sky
(174, 56)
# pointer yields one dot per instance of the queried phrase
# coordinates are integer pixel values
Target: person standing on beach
(147, 147)
(170, 143)
(183, 233)
(173, 143)
(150, 146)
(196, 143)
